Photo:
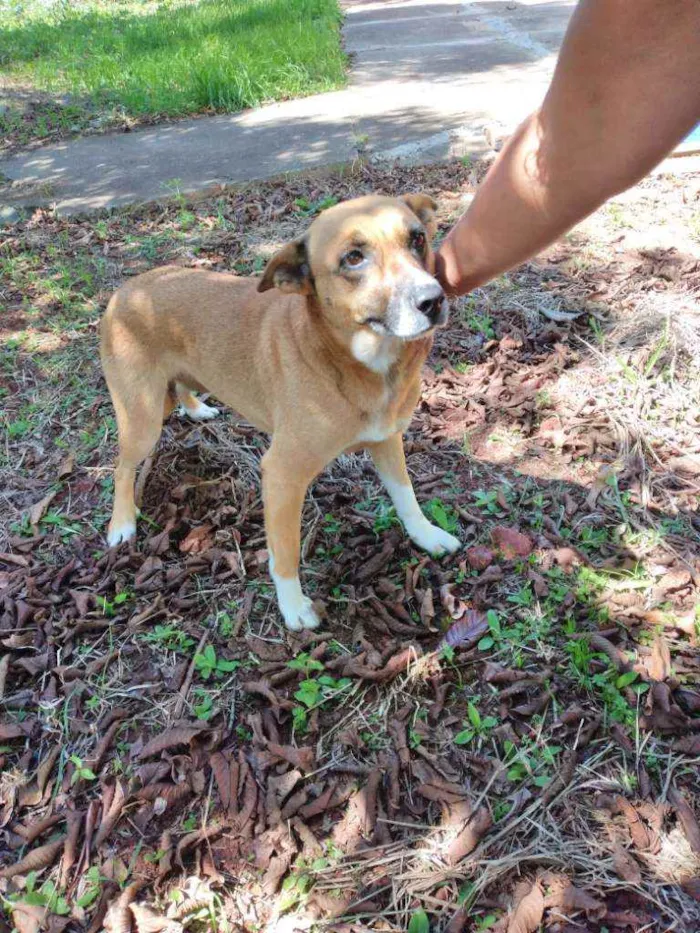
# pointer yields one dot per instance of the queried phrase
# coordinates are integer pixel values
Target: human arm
(625, 91)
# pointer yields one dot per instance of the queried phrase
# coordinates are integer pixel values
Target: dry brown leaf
(638, 831)
(35, 860)
(691, 886)
(625, 865)
(198, 540)
(66, 466)
(303, 758)
(148, 921)
(567, 897)
(496, 674)
(10, 731)
(427, 608)
(687, 817)
(4, 668)
(38, 510)
(690, 745)
(110, 818)
(528, 908)
(511, 543)
(28, 918)
(222, 775)
(171, 738)
(118, 917)
(479, 557)
(467, 631)
(465, 829)
(658, 664)
(458, 921)
(170, 793)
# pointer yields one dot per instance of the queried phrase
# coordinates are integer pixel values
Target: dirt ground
(507, 739)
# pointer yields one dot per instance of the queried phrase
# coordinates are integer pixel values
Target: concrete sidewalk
(427, 78)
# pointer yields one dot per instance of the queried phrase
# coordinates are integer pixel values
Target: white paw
(434, 540)
(119, 533)
(301, 616)
(200, 412)
(297, 610)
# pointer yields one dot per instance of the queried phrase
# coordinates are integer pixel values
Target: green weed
(477, 727)
(208, 665)
(443, 515)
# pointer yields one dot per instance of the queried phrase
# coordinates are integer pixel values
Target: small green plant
(190, 823)
(47, 896)
(109, 607)
(485, 923)
(593, 539)
(419, 922)
(203, 704)
(331, 524)
(171, 638)
(207, 664)
(477, 320)
(305, 663)
(443, 515)
(18, 428)
(494, 623)
(532, 762)
(476, 727)
(384, 514)
(523, 596)
(308, 208)
(81, 772)
(313, 692)
(91, 884)
(63, 525)
(295, 888)
(225, 624)
(487, 501)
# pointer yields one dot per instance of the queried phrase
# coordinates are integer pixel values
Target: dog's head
(368, 265)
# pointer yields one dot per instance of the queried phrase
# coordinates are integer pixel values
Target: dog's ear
(424, 208)
(288, 270)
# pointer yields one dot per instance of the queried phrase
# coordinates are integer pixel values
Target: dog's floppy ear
(424, 208)
(288, 270)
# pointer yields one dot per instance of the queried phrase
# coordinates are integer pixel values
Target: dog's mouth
(410, 326)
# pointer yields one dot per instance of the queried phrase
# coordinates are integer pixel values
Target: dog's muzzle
(417, 310)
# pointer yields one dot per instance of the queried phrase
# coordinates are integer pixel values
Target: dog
(323, 352)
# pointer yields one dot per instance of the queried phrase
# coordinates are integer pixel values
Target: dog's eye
(354, 258)
(418, 241)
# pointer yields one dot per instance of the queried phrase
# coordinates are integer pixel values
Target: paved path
(427, 77)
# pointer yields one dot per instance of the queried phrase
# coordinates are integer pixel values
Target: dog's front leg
(390, 462)
(286, 474)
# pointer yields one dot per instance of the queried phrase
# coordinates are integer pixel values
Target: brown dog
(330, 365)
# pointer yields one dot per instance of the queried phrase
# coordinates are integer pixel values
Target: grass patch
(170, 58)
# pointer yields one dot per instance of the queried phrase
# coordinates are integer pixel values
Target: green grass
(170, 57)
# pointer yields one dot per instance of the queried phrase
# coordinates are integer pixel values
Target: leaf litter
(168, 753)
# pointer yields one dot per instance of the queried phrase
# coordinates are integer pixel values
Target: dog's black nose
(429, 300)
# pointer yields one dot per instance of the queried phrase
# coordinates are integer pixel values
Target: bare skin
(625, 92)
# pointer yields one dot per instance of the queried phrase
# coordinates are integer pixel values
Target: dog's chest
(387, 418)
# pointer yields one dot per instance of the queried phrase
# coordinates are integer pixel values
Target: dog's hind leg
(139, 409)
(192, 406)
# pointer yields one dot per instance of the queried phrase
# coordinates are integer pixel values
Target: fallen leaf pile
(504, 739)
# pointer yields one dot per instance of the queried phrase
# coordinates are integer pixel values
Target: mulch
(507, 738)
